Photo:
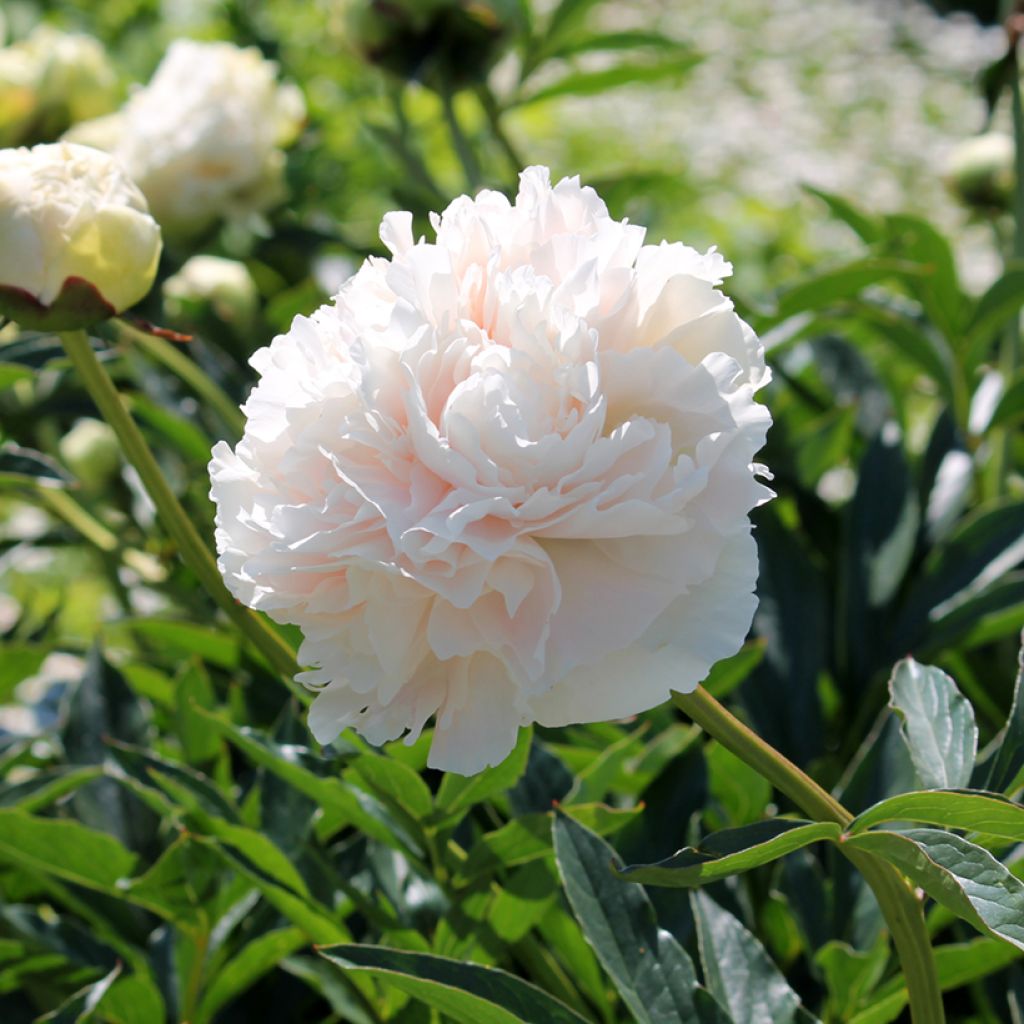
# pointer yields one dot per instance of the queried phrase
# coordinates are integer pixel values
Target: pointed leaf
(1009, 759)
(731, 851)
(738, 970)
(938, 724)
(64, 848)
(652, 973)
(958, 809)
(465, 992)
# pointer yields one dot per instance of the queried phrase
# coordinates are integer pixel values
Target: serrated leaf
(958, 809)
(739, 972)
(964, 878)
(730, 852)
(938, 724)
(651, 971)
(465, 992)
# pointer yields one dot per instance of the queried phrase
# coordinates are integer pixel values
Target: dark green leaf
(730, 852)
(739, 972)
(1009, 759)
(346, 804)
(938, 724)
(652, 973)
(992, 313)
(960, 876)
(466, 992)
(981, 550)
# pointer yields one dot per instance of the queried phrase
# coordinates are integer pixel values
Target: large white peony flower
(203, 139)
(504, 478)
(78, 243)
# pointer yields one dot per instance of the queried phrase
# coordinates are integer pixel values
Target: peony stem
(194, 552)
(899, 905)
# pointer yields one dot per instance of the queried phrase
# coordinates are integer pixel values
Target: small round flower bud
(211, 282)
(79, 244)
(980, 171)
(443, 43)
(91, 451)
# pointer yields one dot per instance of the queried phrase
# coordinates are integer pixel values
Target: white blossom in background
(204, 139)
(505, 477)
(79, 244)
(224, 285)
(866, 98)
(52, 79)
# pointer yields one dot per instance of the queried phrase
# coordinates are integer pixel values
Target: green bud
(980, 172)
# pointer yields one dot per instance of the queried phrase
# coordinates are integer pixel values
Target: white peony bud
(79, 244)
(203, 138)
(226, 286)
(505, 477)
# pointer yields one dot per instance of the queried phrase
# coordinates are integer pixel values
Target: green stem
(899, 905)
(1010, 354)
(489, 102)
(460, 142)
(189, 372)
(193, 550)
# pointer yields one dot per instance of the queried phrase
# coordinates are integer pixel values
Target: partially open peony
(77, 243)
(504, 478)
